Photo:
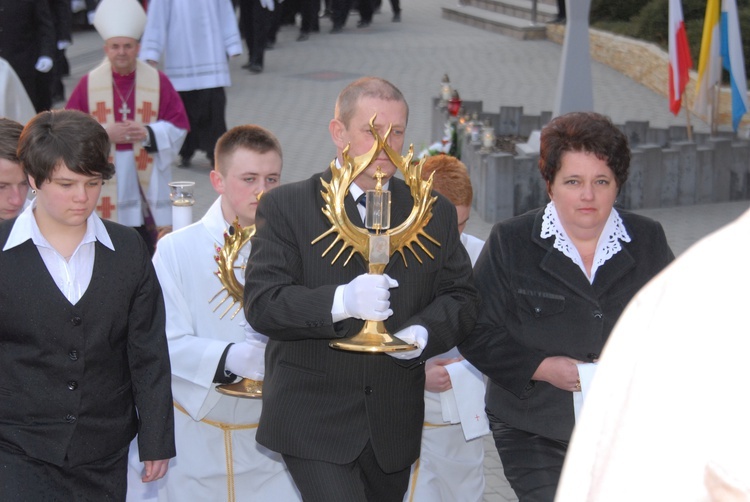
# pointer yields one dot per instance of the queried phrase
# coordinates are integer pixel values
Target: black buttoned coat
(537, 303)
(72, 377)
(326, 404)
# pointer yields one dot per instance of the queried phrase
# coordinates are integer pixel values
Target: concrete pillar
(721, 168)
(529, 190)
(631, 195)
(574, 88)
(688, 171)
(510, 120)
(704, 175)
(670, 182)
(529, 124)
(650, 159)
(739, 185)
(637, 132)
(496, 188)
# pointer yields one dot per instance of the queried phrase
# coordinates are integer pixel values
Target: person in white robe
(15, 103)
(667, 414)
(193, 41)
(210, 343)
(144, 118)
(451, 462)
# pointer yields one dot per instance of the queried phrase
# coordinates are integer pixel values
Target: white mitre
(120, 18)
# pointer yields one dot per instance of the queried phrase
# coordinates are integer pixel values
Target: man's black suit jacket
(325, 404)
(72, 377)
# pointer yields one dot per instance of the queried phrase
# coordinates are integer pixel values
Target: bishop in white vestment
(143, 115)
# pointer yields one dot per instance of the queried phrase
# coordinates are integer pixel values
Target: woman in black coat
(553, 284)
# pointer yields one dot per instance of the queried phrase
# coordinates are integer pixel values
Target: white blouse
(608, 245)
(71, 276)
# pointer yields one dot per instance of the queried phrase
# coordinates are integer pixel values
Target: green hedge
(648, 20)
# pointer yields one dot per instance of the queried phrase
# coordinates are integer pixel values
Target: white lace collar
(608, 245)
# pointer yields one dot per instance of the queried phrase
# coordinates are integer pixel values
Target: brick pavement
(294, 97)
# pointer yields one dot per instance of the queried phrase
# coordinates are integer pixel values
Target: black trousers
(561, 9)
(360, 481)
(206, 113)
(395, 5)
(532, 463)
(341, 10)
(24, 479)
(255, 22)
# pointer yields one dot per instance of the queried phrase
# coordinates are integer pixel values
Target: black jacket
(537, 303)
(326, 404)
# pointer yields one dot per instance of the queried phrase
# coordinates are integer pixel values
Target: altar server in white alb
(193, 39)
(144, 118)
(218, 457)
(451, 461)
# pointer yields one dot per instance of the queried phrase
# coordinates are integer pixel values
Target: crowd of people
(112, 350)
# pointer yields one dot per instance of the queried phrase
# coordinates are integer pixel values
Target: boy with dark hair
(84, 365)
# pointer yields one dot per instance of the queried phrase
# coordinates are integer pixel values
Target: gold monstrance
(235, 238)
(377, 248)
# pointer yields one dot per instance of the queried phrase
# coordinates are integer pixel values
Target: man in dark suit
(84, 364)
(348, 424)
(27, 42)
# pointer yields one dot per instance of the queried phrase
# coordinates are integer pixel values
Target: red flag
(679, 56)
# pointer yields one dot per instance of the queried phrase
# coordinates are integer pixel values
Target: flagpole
(683, 98)
(715, 116)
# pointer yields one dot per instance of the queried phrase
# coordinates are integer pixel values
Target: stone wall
(666, 169)
(647, 64)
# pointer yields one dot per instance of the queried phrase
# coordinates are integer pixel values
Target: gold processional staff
(235, 238)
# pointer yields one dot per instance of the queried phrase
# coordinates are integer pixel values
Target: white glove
(43, 64)
(268, 4)
(77, 5)
(63, 44)
(248, 358)
(366, 297)
(411, 334)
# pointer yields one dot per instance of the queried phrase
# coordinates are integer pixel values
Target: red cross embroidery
(147, 112)
(143, 160)
(101, 112)
(106, 207)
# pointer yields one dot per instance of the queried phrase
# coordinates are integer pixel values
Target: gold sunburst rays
(235, 239)
(407, 235)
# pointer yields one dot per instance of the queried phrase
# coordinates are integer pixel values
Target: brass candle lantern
(445, 91)
(235, 238)
(378, 247)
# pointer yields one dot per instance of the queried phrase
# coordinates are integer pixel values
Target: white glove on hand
(411, 334)
(43, 64)
(248, 358)
(366, 297)
(63, 44)
(268, 4)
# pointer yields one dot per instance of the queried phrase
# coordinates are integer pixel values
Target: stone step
(521, 29)
(522, 9)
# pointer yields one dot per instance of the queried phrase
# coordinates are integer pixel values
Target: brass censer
(235, 238)
(378, 247)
